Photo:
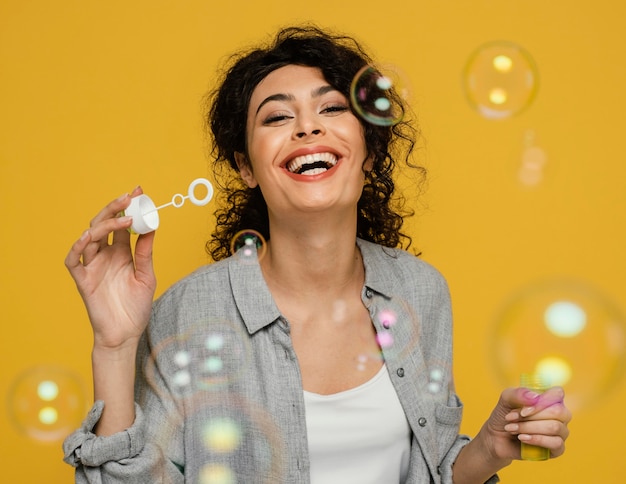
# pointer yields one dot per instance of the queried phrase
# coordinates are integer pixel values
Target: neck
(314, 260)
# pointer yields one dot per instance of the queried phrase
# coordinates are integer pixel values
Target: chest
(336, 351)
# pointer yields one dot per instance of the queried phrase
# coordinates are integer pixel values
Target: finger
(73, 258)
(539, 427)
(523, 402)
(111, 210)
(123, 236)
(554, 443)
(553, 397)
(136, 191)
(100, 236)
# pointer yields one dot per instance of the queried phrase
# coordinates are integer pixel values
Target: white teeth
(314, 171)
(294, 165)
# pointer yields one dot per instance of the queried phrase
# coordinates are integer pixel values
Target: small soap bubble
(533, 166)
(387, 318)
(378, 94)
(248, 246)
(362, 362)
(47, 402)
(384, 339)
(401, 328)
(439, 378)
(566, 331)
(500, 80)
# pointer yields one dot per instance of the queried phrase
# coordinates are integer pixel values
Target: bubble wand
(145, 212)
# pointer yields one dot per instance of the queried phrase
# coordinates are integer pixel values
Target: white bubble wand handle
(145, 213)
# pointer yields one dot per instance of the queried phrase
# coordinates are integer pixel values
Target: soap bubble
(47, 402)
(248, 246)
(205, 356)
(377, 94)
(500, 80)
(233, 435)
(566, 332)
(533, 165)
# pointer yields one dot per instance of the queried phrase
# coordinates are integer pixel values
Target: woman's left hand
(523, 415)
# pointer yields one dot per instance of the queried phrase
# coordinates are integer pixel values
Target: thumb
(512, 403)
(143, 257)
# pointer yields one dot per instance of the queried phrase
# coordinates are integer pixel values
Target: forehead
(287, 79)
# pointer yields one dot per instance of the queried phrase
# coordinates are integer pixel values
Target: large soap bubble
(47, 402)
(378, 92)
(568, 333)
(500, 79)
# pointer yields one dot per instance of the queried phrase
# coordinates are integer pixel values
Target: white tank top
(358, 436)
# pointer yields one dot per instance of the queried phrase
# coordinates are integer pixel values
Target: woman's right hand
(117, 290)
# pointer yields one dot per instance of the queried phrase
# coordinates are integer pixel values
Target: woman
(270, 369)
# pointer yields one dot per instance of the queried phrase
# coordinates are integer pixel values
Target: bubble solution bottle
(534, 452)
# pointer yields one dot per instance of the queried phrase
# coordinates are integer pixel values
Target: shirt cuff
(83, 447)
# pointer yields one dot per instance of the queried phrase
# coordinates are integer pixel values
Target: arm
(117, 291)
(520, 416)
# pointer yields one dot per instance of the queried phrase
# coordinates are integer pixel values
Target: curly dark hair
(380, 211)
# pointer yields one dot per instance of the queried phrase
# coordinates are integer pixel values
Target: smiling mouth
(312, 164)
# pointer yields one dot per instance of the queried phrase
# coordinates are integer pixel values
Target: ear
(368, 164)
(245, 169)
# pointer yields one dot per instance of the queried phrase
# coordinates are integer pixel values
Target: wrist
(486, 443)
(117, 351)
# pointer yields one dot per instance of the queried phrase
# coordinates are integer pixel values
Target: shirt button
(369, 293)
(422, 422)
(400, 372)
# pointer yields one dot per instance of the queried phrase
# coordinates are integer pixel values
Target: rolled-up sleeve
(124, 457)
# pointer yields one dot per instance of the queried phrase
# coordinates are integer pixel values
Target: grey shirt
(218, 387)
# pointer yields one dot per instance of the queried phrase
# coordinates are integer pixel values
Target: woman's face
(306, 149)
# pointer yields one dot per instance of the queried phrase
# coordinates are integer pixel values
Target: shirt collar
(254, 300)
(379, 275)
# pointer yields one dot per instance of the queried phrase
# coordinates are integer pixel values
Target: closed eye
(335, 109)
(276, 118)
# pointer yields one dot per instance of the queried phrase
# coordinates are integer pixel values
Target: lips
(311, 164)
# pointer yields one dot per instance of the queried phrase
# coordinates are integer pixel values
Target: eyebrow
(320, 91)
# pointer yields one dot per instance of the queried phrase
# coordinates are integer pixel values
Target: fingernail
(84, 235)
(514, 415)
(526, 411)
(530, 394)
(122, 197)
(512, 427)
(125, 219)
(523, 437)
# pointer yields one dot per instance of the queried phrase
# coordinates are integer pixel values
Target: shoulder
(397, 267)
(206, 281)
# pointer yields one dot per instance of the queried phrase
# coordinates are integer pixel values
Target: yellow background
(99, 96)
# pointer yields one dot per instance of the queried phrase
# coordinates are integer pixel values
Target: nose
(308, 126)
(303, 134)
